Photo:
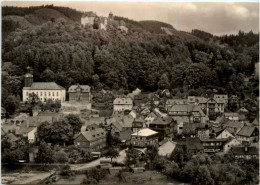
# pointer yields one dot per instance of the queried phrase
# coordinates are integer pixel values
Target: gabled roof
(201, 99)
(11, 137)
(242, 109)
(84, 88)
(256, 121)
(246, 131)
(123, 101)
(145, 132)
(231, 114)
(125, 135)
(186, 109)
(220, 96)
(151, 114)
(161, 121)
(92, 135)
(45, 86)
(241, 150)
(175, 101)
(193, 143)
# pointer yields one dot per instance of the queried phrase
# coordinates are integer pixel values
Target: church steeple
(28, 78)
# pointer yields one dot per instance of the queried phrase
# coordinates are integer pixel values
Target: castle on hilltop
(93, 21)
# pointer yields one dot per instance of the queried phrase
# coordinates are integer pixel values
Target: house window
(57, 93)
(41, 93)
(53, 94)
(27, 93)
(49, 93)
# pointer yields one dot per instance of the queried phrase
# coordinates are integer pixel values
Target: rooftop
(94, 134)
(193, 143)
(252, 150)
(45, 86)
(123, 101)
(84, 88)
(246, 131)
(145, 132)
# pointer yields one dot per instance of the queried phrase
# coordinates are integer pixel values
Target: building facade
(94, 140)
(122, 104)
(79, 93)
(44, 90)
(144, 137)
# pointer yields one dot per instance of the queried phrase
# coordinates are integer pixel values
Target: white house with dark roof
(79, 93)
(44, 90)
(222, 97)
(122, 104)
(248, 134)
(144, 137)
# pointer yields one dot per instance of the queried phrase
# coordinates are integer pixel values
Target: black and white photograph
(129, 92)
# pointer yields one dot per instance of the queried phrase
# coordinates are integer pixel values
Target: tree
(48, 75)
(96, 174)
(171, 169)
(131, 156)
(112, 153)
(45, 154)
(44, 132)
(60, 157)
(5, 145)
(164, 82)
(151, 153)
(11, 104)
(61, 132)
(203, 176)
(75, 122)
(65, 171)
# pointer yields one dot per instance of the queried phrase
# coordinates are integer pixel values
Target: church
(44, 90)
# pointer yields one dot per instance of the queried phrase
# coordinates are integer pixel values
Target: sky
(215, 17)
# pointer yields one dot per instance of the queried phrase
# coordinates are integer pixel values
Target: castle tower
(110, 16)
(28, 78)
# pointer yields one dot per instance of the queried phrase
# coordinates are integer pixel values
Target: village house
(222, 97)
(187, 113)
(194, 146)
(203, 131)
(144, 137)
(230, 143)
(44, 90)
(233, 126)
(248, 134)
(166, 148)
(94, 140)
(212, 106)
(170, 102)
(138, 124)
(212, 145)
(188, 130)
(79, 93)
(233, 116)
(164, 126)
(122, 104)
(224, 133)
(119, 124)
(18, 120)
(245, 152)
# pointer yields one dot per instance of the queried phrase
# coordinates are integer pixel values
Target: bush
(66, 171)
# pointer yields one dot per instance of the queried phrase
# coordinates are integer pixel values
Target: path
(119, 159)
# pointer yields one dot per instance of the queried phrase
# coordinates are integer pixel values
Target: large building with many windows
(44, 90)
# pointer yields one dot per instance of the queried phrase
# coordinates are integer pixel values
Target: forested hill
(59, 49)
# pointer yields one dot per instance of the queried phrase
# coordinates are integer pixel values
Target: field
(77, 179)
